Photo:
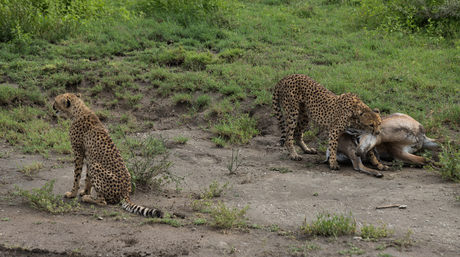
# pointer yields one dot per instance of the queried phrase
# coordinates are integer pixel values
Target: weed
(235, 161)
(449, 160)
(44, 199)
(307, 247)
(34, 167)
(375, 232)
(76, 251)
(203, 100)
(404, 242)
(180, 139)
(215, 190)
(397, 165)
(219, 141)
(5, 219)
(352, 251)
(166, 220)
(381, 247)
(281, 169)
(182, 98)
(200, 221)
(236, 129)
(37, 222)
(315, 194)
(228, 217)
(146, 158)
(384, 255)
(327, 224)
(5, 154)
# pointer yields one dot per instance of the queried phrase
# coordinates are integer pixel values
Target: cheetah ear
(78, 95)
(376, 110)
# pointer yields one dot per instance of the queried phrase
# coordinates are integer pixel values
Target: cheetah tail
(140, 210)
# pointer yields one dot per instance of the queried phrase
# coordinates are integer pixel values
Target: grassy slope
(263, 41)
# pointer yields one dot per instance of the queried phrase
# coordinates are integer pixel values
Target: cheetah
(304, 100)
(106, 171)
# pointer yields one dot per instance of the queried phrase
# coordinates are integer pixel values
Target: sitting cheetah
(304, 100)
(106, 171)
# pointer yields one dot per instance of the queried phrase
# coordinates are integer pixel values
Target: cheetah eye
(372, 125)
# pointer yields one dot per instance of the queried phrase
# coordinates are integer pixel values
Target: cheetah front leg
(79, 156)
(302, 125)
(373, 159)
(333, 141)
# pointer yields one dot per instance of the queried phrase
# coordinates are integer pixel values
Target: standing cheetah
(106, 171)
(305, 100)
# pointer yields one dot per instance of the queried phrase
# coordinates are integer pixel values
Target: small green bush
(228, 218)
(147, 160)
(370, 231)
(236, 129)
(327, 224)
(433, 17)
(449, 160)
(44, 199)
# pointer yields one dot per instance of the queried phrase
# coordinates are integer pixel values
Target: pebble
(357, 238)
(100, 218)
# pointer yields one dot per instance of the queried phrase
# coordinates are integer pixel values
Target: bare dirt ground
(283, 199)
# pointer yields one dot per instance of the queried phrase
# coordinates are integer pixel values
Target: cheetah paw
(296, 158)
(69, 195)
(87, 199)
(334, 166)
(83, 193)
(382, 167)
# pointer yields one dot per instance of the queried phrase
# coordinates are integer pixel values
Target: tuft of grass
(307, 247)
(215, 190)
(203, 100)
(352, 251)
(235, 161)
(281, 169)
(228, 217)
(327, 224)
(236, 129)
(404, 242)
(369, 231)
(449, 160)
(182, 98)
(44, 199)
(181, 139)
(200, 221)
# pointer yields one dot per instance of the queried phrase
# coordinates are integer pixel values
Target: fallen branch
(400, 206)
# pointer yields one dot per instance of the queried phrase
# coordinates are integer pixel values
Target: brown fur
(106, 171)
(304, 100)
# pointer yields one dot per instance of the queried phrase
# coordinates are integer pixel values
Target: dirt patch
(275, 198)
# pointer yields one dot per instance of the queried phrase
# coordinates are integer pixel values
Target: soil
(275, 199)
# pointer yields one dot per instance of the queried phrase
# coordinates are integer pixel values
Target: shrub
(435, 17)
(236, 129)
(147, 160)
(44, 199)
(328, 224)
(20, 20)
(449, 160)
(228, 218)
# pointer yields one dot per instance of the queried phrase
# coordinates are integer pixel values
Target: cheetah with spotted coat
(106, 171)
(304, 100)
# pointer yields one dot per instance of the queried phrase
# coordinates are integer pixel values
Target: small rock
(357, 238)
(100, 218)
(402, 207)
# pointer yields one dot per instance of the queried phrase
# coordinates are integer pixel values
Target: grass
(327, 224)
(221, 59)
(372, 232)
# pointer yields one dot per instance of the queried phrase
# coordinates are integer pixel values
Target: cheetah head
(371, 121)
(62, 103)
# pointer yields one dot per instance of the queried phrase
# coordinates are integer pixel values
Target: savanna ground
(198, 76)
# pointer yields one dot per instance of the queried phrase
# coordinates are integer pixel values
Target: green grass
(218, 57)
(327, 224)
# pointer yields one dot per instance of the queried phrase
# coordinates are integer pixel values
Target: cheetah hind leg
(302, 125)
(95, 173)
